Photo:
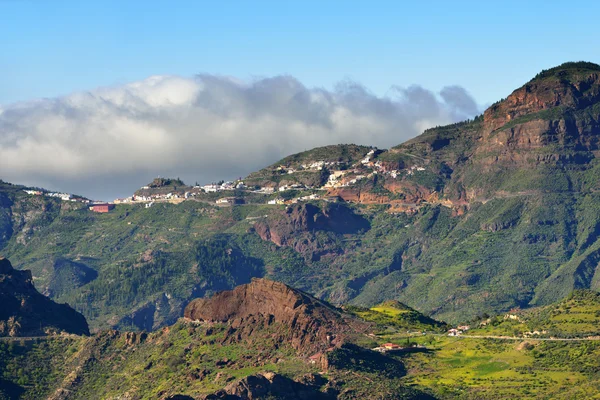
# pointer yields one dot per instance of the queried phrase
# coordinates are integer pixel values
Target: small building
(315, 358)
(229, 201)
(102, 208)
(387, 347)
(276, 201)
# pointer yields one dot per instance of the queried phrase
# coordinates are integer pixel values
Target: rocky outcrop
(297, 318)
(556, 109)
(272, 385)
(335, 218)
(569, 88)
(297, 225)
(26, 312)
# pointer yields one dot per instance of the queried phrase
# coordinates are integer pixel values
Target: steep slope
(480, 216)
(25, 312)
(315, 326)
(256, 341)
(520, 188)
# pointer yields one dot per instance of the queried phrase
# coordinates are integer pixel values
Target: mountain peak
(313, 325)
(568, 87)
(567, 70)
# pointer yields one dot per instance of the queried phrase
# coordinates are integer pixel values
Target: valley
(480, 216)
(462, 263)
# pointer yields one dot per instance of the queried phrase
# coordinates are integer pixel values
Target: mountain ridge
(316, 326)
(479, 216)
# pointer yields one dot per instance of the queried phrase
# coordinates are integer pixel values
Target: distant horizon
(98, 97)
(127, 189)
(110, 139)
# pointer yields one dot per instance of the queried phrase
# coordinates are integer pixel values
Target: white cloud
(111, 140)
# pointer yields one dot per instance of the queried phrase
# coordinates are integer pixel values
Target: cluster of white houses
(348, 177)
(62, 196)
(314, 166)
(459, 330)
(168, 197)
(213, 187)
(364, 169)
(309, 197)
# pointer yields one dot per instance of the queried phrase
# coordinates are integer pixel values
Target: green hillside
(477, 217)
(196, 359)
(395, 316)
(577, 316)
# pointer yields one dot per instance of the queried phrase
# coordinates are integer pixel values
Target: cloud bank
(109, 141)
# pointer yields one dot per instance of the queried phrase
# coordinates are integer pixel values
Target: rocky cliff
(306, 323)
(297, 226)
(573, 86)
(26, 312)
(474, 217)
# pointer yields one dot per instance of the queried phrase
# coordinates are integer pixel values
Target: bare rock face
(26, 312)
(546, 111)
(296, 227)
(272, 385)
(298, 318)
(575, 92)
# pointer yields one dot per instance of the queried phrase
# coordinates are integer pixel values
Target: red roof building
(102, 208)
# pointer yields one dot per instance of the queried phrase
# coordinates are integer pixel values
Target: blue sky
(50, 48)
(210, 90)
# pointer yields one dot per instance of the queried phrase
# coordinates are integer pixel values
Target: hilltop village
(361, 178)
(348, 173)
(57, 195)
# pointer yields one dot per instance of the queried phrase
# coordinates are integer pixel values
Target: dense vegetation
(476, 217)
(195, 359)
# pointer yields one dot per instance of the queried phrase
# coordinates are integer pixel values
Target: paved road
(552, 339)
(29, 338)
(529, 338)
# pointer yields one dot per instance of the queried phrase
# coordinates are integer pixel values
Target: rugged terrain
(26, 312)
(316, 325)
(261, 340)
(260, 346)
(477, 217)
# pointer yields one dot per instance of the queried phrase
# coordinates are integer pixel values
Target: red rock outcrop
(544, 94)
(298, 319)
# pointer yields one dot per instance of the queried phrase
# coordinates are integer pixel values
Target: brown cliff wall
(309, 324)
